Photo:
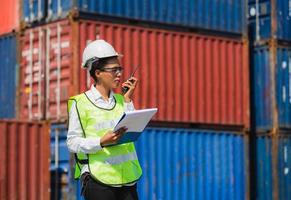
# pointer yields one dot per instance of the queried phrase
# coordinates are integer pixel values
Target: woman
(107, 171)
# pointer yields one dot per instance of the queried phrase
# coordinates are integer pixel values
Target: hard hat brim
(83, 65)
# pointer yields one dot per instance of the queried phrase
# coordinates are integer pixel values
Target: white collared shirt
(75, 141)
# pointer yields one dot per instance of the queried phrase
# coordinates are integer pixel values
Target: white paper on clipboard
(136, 121)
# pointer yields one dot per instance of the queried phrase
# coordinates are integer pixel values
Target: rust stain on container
(189, 77)
(25, 152)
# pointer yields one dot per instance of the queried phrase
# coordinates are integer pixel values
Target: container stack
(194, 69)
(24, 145)
(9, 25)
(176, 44)
(270, 30)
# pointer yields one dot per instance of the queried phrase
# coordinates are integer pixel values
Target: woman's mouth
(117, 80)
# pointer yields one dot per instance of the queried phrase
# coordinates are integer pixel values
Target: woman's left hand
(131, 86)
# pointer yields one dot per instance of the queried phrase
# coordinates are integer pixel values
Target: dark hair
(99, 64)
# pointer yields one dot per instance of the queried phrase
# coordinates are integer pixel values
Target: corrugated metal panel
(8, 76)
(34, 10)
(284, 166)
(180, 67)
(264, 168)
(283, 86)
(260, 19)
(217, 67)
(45, 72)
(226, 15)
(24, 148)
(262, 76)
(60, 156)
(192, 164)
(60, 9)
(60, 163)
(9, 15)
(283, 19)
(262, 99)
(273, 167)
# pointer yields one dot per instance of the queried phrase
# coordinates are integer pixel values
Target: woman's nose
(118, 74)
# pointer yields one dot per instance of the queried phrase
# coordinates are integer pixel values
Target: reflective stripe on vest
(112, 165)
(116, 160)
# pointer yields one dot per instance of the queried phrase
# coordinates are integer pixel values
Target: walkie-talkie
(125, 89)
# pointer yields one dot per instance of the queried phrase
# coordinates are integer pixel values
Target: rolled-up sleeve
(76, 142)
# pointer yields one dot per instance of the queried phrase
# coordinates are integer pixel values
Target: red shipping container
(189, 77)
(24, 160)
(9, 15)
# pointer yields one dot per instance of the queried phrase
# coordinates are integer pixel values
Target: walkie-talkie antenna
(134, 71)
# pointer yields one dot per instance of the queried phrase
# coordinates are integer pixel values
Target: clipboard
(136, 121)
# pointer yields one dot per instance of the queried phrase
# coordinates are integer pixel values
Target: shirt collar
(96, 94)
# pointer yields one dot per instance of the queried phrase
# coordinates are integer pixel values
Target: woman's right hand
(112, 137)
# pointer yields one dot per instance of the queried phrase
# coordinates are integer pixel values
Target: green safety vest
(113, 165)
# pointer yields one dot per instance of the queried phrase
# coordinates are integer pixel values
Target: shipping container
(271, 75)
(34, 11)
(283, 86)
(270, 19)
(192, 164)
(60, 156)
(273, 167)
(9, 15)
(61, 163)
(284, 166)
(24, 166)
(207, 77)
(264, 168)
(8, 75)
(226, 15)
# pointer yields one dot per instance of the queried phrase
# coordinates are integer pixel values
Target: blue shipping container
(33, 11)
(283, 86)
(263, 83)
(8, 75)
(262, 96)
(219, 15)
(60, 155)
(265, 167)
(260, 19)
(284, 167)
(61, 187)
(192, 164)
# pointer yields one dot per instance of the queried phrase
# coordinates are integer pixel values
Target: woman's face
(110, 75)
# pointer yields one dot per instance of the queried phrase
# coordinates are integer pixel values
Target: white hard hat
(98, 49)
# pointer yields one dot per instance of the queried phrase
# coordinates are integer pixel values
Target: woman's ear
(97, 73)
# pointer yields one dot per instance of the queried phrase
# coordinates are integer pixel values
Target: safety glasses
(114, 70)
